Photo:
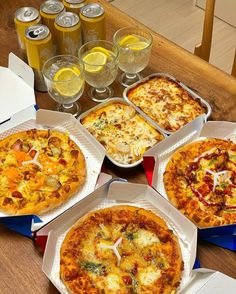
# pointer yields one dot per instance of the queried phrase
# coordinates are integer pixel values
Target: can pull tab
(35, 33)
(28, 13)
(67, 21)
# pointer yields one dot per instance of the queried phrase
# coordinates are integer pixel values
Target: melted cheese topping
(166, 102)
(149, 275)
(145, 238)
(124, 134)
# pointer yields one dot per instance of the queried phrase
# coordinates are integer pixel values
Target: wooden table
(20, 260)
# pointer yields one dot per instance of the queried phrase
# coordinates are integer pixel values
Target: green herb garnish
(96, 268)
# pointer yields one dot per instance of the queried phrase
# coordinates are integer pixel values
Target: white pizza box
(94, 156)
(17, 99)
(193, 131)
(118, 192)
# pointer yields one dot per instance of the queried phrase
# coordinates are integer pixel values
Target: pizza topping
(32, 153)
(127, 280)
(56, 151)
(7, 201)
(17, 145)
(55, 194)
(54, 142)
(16, 194)
(96, 268)
(123, 147)
(53, 182)
(74, 153)
(63, 161)
(149, 275)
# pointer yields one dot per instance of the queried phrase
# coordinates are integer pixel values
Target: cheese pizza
(166, 102)
(122, 131)
(121, 249)
(200, 180)
(39, 170)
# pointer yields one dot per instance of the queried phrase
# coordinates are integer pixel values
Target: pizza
(121, 249)
(166, 102)
(39, 170)
(122, 131)
(200, 180)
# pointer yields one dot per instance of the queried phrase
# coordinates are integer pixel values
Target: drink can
(38, 43)
(49, 10)
(25, 17)
(68, 33)
(74, 5)
(93, 22)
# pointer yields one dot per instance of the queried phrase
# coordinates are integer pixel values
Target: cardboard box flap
(219, 129)
(17, 91)
(185, 134)
(205, 281)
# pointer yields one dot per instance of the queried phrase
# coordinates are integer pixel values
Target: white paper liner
(184, 244)
(93, 164)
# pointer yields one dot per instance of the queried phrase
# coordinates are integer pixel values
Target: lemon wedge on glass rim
(68, 81)
(94, 61)
(128, 39)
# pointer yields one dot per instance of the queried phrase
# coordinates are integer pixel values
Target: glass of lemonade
(100, 59)
(134, 48)
(64, 78)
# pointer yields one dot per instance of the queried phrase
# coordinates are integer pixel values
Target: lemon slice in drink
(127, 40)
(101, 49)
(94, 61)
(138, 46)
(68, 81)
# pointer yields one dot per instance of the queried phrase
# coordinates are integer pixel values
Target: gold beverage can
(24, 18)
(74, 5)
(49, 10)
(38, 43)
(92, 18)
(68, 33)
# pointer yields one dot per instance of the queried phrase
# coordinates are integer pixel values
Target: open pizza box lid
(94, 156)
(17, 99)
(118, 192)
(156, 159)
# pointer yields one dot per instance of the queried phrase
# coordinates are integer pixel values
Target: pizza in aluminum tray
(200, 180)
(39, 170)
(166, 102)
(121, 249)
(122, 131)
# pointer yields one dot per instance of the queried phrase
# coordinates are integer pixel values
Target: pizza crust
(49, 168)
(84, 268)
(178, 189)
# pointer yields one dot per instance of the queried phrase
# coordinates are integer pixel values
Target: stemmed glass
(100, 59)
(134, 48)
(64, 78)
